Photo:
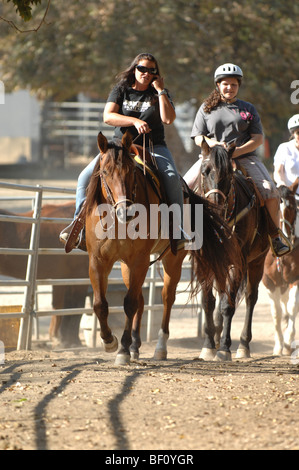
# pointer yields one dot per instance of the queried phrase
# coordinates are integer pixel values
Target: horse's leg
(218, 322)
(136, 274)
(136, 338)
(227, 309)
(58, 294)
(98, 273)
(289, 335)
(208, 351)
(254, 277)
(276, 312)
(172, 273)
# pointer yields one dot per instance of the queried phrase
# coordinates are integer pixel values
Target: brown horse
(118, 185)
(17, 235)
(241, 209)
(281, 275)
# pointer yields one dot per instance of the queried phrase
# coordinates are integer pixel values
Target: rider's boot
(279, 248)
(73, 235)
(279, 243)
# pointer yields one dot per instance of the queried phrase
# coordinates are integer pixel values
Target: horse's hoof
(223, 356)
(243, 353)
(122, 360)
(207, 354)
(160, 355)
(134, 355)
(111, 347)
(277, 351)
(288, 349)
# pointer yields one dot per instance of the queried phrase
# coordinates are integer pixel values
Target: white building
(19, 127)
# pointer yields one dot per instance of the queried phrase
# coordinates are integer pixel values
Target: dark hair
(126, 78)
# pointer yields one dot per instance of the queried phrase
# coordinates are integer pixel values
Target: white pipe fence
(30, 284)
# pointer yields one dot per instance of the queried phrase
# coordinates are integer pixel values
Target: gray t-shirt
(228, 122)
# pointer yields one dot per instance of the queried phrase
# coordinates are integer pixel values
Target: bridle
(109, 194)
(285, 223)
(226, 198)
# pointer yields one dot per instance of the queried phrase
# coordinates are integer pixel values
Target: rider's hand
(158, 83)
(142, 127)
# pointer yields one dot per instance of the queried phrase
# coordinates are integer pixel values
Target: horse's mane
(93, 194)
(221, 162)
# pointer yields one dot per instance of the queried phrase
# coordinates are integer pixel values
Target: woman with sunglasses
(140, 103)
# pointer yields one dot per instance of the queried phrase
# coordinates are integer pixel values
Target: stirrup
(285, 240)
(74, 237)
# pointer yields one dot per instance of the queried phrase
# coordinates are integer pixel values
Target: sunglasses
(142, 69)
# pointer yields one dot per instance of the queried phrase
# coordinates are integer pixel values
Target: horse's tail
(219, 262)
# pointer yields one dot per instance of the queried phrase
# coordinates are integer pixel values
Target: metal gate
(30, 283)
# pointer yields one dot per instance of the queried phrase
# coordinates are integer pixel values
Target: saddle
(145, 161)
(246, 181)
(150, 173)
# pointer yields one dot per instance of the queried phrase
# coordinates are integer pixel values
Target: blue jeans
(167, 170)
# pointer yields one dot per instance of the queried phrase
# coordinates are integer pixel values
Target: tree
(24, 9)
(88, 42)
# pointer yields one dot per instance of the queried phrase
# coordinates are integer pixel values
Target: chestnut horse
(281, 275)
(241, 208)
(17, 235)
(118, 185)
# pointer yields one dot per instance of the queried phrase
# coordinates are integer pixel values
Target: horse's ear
(102, 143)
(230, 148)
(293, 188)
(127, 140)
(205, 149)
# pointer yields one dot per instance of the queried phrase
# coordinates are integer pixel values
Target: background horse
(17, 235)
(118, 184)
(239, 202)
(281, 275)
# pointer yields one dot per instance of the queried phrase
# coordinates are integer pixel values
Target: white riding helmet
(293, 123)
(228, 70)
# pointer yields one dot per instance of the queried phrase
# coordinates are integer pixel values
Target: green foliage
(23, 7)
(85, 44)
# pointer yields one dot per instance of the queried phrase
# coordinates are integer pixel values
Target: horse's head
(288, 209)
(117, 172)
(216, 172)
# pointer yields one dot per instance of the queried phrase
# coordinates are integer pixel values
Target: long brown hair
(126, 78)
(212, 101)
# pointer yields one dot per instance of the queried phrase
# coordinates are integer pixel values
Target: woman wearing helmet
(223, 119)
(286, 159)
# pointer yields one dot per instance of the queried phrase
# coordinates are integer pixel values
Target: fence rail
(30, 283)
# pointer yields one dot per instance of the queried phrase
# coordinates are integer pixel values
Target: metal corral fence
(30, 283)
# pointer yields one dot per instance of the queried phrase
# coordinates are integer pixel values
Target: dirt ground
(77, 399)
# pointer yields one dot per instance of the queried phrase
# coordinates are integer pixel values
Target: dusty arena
(77, 399)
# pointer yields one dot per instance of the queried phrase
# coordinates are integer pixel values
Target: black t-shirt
(143, 105)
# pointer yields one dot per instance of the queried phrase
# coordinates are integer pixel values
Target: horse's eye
(206, 171)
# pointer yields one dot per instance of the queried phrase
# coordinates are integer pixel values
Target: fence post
(25, 335)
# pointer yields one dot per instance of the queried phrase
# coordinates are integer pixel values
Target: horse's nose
(123, 212)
